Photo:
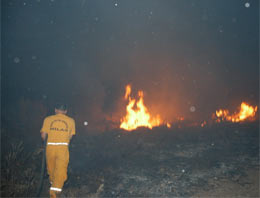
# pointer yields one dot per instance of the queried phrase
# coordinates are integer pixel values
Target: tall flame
(137, 113)
(246, 112)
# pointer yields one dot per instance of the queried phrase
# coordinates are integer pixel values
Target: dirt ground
(217, 161)
(247, 186)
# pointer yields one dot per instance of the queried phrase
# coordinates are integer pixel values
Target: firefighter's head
(60, 108)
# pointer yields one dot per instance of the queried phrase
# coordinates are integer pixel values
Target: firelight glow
(137, 114)
(246, 112)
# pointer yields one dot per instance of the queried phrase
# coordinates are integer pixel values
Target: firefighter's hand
(43, 136)
(39, 150)
(43, 142)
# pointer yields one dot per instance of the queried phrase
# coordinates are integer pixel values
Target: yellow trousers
(57, 159)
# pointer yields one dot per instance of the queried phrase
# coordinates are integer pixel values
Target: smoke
(189, 58)
(175, 82)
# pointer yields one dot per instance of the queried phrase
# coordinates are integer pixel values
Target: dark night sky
(182, 53)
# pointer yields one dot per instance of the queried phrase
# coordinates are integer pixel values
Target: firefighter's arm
(73, 130)
(44, 129)
(43, 135)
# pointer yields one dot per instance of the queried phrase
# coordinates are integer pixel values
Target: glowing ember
(181, 118)
(203, 123)
(246, 112)
(137, 114)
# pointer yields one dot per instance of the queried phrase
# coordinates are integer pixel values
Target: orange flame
(127, 91)
(246, 112)
(137, 114)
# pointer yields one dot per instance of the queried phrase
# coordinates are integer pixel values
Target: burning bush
(246, 112)
(137, 113)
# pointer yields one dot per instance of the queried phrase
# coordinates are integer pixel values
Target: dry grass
(18, 175)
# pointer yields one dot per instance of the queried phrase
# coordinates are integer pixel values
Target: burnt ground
(217, 161)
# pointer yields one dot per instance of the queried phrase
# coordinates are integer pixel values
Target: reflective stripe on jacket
(57, 143)
(56, 189)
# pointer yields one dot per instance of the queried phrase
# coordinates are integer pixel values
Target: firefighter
(59, 129)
